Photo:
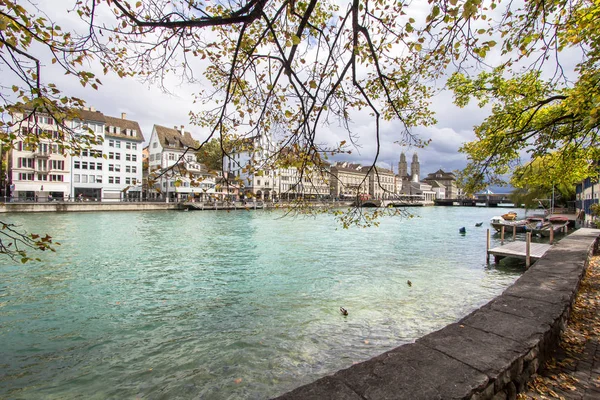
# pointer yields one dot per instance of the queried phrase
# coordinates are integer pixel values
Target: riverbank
(59, 206)
(573, 372)
(86, 206)
(490, 354)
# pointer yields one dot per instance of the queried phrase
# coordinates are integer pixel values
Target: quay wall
(84, 206)
(489, 354)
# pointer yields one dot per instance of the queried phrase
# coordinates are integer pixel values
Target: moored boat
(510, 216)
(498, 222)
(545, 227)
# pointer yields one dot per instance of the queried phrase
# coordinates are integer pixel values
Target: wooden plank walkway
(517, 250)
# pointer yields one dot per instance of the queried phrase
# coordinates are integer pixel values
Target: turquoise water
(228, 305)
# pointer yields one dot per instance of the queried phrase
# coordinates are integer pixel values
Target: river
(229, 305)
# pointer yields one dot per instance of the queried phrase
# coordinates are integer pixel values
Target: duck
(462, 230)
(343, 311)
(479, 224)
(409, 283)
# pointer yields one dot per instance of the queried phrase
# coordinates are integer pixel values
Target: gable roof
(122, 125)
(88, 115)
(171, 138)
(440, 174)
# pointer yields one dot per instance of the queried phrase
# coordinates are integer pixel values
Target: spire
(402, 166)
(415, 168)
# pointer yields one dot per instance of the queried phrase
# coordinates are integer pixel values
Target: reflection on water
(228, 304)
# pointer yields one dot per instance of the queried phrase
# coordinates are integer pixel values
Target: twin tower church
(415, 168)
(440, 184)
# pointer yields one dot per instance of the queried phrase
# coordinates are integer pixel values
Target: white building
(38, 170)
(250, 164)
(45, 171)
(173, 171)
(110, 171)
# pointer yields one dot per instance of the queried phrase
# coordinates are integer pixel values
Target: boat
(498, 222)
(510, 216)
(543, 228)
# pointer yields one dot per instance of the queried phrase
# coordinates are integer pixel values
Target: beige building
(448, 179)
(348, 181)
(382, 183)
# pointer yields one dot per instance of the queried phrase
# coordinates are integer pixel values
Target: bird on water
(409, 283)
(343, 311)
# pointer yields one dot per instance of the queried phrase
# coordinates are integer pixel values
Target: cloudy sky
(149, 105)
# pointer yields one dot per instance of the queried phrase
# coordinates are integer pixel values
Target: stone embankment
(58, 206)
(490, 354)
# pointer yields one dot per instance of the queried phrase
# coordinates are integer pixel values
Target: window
(84, 165)
(117, 156)
(76, 164)
(127, 169)
(56, 178)
(84, 153)
(111, 143)
(76, 178)
(45, 120)
(111, 167)
(42, 177)
(92, 178)
(84, 178)
(128, 145)
(26, 176)
(58, 164)
(111, 156)
(171, 156)
(154, 145)
(92, 165)
(111, 179)
(117, 168)
(25, 162)
(127, 157)
(99, 178)
(134, 146)
(117, 180)
(134, 169)
(118, 144)
(99, 166)
(133, 157)
(128, 181)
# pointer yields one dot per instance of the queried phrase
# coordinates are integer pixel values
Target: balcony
(41, 154)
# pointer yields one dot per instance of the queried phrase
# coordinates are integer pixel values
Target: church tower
(415, 168)
(402, 166)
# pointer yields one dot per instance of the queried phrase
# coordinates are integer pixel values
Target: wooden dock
(518, 250)
(524, 250)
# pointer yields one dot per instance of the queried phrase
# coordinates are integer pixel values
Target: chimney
(93, 109)
(182, 129)
(123, 115)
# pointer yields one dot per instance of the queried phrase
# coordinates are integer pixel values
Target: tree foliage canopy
(542, 95)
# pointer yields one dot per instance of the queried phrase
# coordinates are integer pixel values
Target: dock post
(487, 248)
(551, 234)
(528, 251)
(502, 235)
(514, 232)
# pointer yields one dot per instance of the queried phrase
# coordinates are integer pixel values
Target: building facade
(173, 171)
(448, 179)
(46, 172)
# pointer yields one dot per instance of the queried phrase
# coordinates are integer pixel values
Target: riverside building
(173, 171)
(46, 171)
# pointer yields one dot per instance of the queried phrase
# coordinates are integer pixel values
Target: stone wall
(84, 206)
(489, 354)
